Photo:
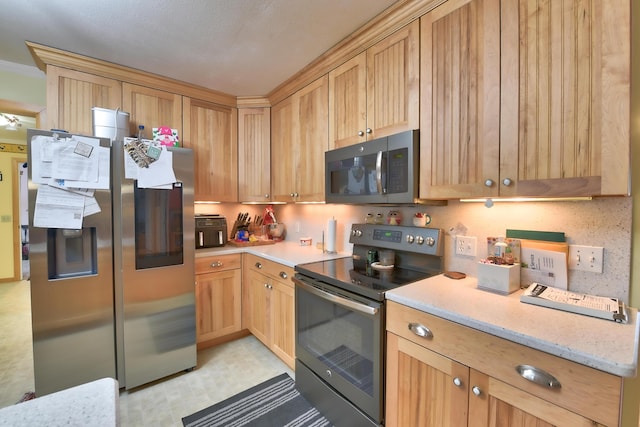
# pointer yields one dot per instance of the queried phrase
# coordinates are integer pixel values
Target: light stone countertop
(286, 253)
(602, 344)
(91, 404)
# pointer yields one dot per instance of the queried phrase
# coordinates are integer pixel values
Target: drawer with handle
(270, 268)
(587, 391)
(213, 263)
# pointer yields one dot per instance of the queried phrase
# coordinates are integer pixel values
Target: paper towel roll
(331, 235)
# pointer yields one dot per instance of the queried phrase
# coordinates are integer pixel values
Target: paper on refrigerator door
(56, 208)
(545, 267)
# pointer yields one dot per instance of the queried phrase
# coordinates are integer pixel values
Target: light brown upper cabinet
(72, 94)
(151, 108)
(299, 141)
(211, 131)
(254, 154)
(376, 93)
(521, 100)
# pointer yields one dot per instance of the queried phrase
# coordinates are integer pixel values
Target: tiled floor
(222, 371)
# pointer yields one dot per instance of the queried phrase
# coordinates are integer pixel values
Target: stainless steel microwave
(380, 171)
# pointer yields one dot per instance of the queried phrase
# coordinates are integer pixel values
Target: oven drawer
(269, 268)
(584, 390)
(211, 264)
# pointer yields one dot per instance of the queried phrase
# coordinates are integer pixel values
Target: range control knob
(410, 238)
(419, 240)
(430, 241)
(356, 233)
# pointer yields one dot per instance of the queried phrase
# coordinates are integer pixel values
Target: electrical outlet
(586, 258)
(466, 245)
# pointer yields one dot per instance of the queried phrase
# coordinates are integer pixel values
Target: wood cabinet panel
(219, 310)
(393, 80)
(72, 94)
(218, 296)
(460, 88)
(217, 263)
(500, 404)
(310, 112)
(535, 106)
(569, 64)
(269, 298)
(151, 108)
(348, 102)
(586, 391)
(211, 131)
(299, 140)
(283, 153)
(254, 154)
(420, 387)
(376, 93)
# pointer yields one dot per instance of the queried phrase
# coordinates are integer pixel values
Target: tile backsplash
(602, 222)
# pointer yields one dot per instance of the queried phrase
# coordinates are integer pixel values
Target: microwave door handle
(353, 305)
(379, 172)
(200, 239)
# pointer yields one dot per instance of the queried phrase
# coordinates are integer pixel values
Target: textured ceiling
(239, 47)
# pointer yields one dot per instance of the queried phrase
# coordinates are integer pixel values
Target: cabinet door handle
(258, 265)
(283, 275)
(360, 133)
(476, 390)
(488, 183)
(538, 376)
(457, 382)
(216, 264)
(420, 330)
(369, 130)
(506, 182)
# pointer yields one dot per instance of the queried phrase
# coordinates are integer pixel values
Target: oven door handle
(362, 308)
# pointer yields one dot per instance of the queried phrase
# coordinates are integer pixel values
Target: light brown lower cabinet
(458, 376)
(218, 298)
(269, 305)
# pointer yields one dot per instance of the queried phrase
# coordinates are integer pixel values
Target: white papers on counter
(543, 266)
(589, 305)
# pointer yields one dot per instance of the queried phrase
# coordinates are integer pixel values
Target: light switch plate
(586, 258)
(466, 245)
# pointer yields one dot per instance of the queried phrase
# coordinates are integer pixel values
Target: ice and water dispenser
(71, 253)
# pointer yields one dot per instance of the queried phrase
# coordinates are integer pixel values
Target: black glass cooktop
(358, 277)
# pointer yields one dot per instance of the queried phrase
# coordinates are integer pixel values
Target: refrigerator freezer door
(71, 296)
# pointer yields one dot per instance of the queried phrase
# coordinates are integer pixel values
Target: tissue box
(502, 279)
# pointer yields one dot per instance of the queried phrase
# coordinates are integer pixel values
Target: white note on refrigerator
(56, 208)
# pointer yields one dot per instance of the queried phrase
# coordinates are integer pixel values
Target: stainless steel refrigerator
(114, 297)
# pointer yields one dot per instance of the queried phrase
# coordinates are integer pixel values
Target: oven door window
(342, 345)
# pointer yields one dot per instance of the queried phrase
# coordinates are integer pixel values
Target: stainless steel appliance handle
(362, 308)
(220, 238)
(201, 238)
(379, 172)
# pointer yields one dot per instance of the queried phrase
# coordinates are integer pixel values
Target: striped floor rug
(274, 403)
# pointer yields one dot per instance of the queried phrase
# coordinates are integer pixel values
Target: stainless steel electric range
(340, 318)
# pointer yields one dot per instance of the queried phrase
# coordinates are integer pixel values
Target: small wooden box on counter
(503, 279)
